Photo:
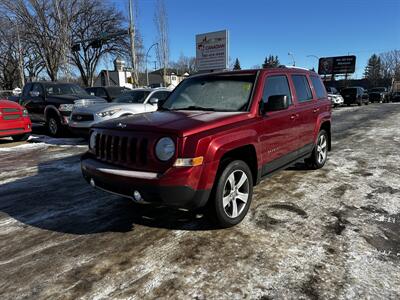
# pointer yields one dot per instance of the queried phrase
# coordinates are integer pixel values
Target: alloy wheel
(322, 149)
(236, 193)
(53, 126)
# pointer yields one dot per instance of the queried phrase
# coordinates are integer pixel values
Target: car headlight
(66, 107)
(25, 113)
(165, 149)
(107, 113)
(92, 140)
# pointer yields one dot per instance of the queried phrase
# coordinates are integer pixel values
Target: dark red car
(14, 121)
(215, 137)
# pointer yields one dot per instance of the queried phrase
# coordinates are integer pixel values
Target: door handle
(294, 116)
(316, 110)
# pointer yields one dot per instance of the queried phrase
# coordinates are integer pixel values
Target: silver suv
(129, 103)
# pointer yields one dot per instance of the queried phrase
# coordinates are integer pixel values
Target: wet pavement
(333, 233)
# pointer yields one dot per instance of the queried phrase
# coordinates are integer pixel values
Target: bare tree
(95, 20)
(390, 63)
(46, 28)
(161, 22)
(184, 64)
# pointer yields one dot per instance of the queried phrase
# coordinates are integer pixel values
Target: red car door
(307, 109)
(277, 130)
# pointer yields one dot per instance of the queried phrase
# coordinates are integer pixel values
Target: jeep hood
(180, 123)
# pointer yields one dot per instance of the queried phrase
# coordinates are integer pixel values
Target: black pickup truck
(51, 103)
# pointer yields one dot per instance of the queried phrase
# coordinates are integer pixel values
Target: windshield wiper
(194, 107)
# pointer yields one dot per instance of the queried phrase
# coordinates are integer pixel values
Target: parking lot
(325, 234)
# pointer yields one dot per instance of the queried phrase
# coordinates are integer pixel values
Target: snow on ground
(326, 234)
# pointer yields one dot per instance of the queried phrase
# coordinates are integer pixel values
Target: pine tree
(373, 70)
(236, 66)
(271, 62)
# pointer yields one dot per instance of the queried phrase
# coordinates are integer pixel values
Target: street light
(147, 54)
(291, 54)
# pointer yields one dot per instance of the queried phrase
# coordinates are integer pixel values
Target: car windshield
(114, 92)
(349, 91)
(132, 97)
(224, 92)
(379, 90)
(65, 89)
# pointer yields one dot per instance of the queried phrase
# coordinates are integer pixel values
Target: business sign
(337, 65)
(212, 51)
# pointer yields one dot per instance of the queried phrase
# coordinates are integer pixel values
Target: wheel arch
(49, 110)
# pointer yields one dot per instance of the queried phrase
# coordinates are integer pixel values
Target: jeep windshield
(221, 92)
(64, 89)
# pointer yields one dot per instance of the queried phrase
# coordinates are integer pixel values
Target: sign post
(212, 51)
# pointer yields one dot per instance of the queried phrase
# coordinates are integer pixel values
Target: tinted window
(100, 92)
(132, 97)
(64, 89)
(276, 85)
(318, 87)
(302, 88)
(26, 90)
(37, 88)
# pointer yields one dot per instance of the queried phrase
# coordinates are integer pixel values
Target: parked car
(378, 94)
(130, 103)
(213, 139)
(332, 90)
(14, 121)
(354, 95)
(395, 97)
(108, 93)
(51, 103)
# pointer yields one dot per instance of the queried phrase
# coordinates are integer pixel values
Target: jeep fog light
(189, 162)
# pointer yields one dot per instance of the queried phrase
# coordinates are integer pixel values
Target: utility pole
(20, 62)
(133, 53)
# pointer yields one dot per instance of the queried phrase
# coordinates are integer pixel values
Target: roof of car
(286, 69)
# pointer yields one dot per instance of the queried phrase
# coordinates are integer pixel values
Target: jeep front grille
(122, 150)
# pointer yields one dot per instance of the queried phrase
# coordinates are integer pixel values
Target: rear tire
(320, 153)
(233, 193)
(53, 125)
(20, 137)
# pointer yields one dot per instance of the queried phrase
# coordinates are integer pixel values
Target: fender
(322, 118)
(222, 144)
(49, 108)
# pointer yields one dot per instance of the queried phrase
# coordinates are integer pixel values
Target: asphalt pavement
(326, 234)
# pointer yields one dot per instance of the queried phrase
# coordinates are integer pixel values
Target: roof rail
(294, 67)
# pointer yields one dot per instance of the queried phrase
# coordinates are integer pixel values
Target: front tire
(54, 126)
(233, 193)
(320, 153)
(20, 137)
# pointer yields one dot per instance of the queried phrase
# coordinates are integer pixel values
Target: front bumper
(176, 187)
(17, 127)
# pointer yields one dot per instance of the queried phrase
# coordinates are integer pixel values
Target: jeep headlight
(66, 107)
(107, 113)
(92, 140)
(165, 149)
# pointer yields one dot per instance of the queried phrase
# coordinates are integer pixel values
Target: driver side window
(37, 88)
(276, 85)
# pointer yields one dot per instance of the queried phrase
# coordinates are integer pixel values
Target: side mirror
(34, 93)
(275, 103)
(153, 101)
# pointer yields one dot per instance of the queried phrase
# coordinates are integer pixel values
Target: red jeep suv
(214, 138)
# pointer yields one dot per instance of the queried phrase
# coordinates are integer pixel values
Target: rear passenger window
(318, 87)
(276, 85)
(302, 88)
